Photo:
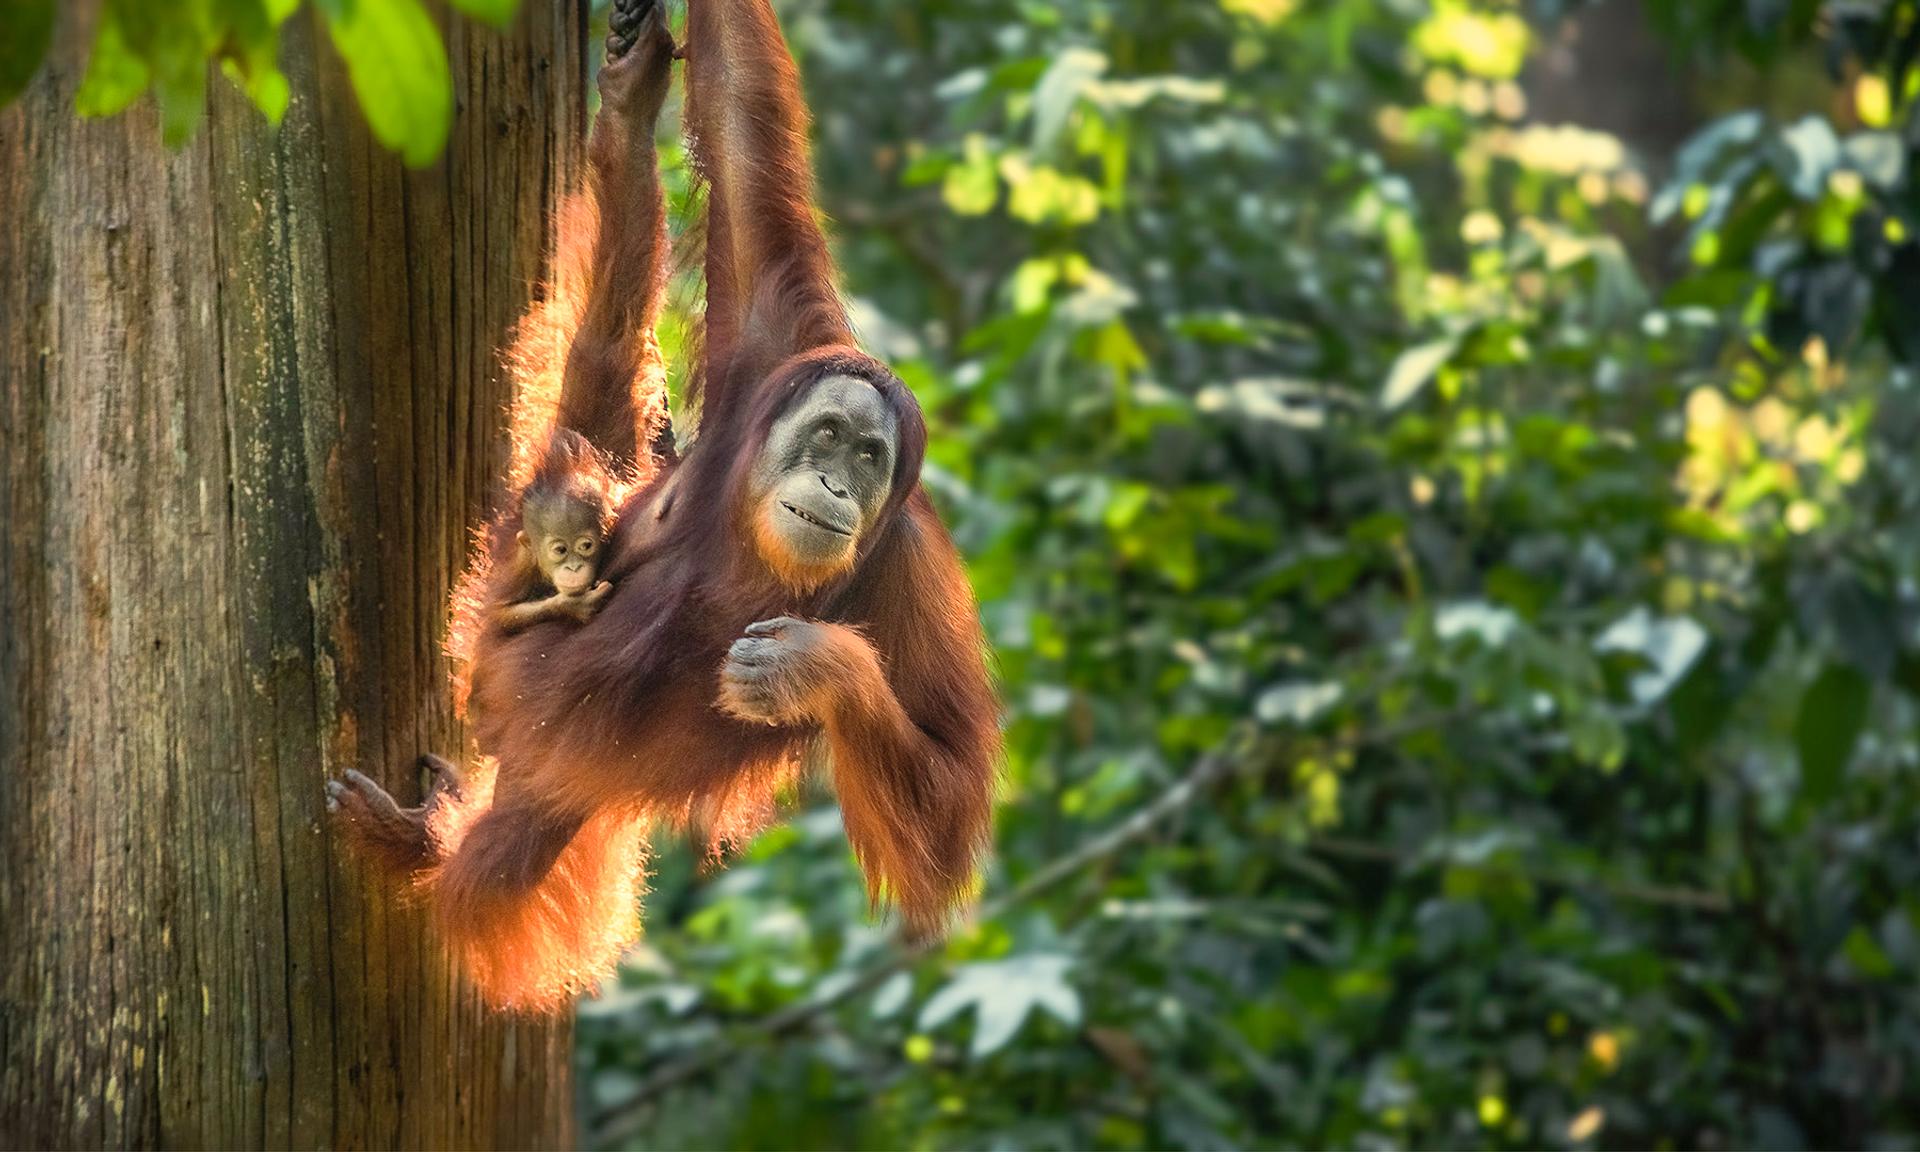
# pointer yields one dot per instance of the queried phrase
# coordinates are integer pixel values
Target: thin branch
(1689, 899)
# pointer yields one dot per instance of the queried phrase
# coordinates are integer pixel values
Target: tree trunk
(251, 404)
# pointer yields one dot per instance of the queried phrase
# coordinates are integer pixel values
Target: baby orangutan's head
(564, 514)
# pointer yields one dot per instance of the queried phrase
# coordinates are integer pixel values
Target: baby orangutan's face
(566, 546)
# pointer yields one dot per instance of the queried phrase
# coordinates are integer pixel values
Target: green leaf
(29, 29)
(1003, 994)
(1813, 151)
(1113, 345)
(175, 41)
(1058, 90)
(498, 13)
(972, 185)
(1596, 738)
(1414, 370)
(251, 53)
(1698, 158)
(1865, 954)
(399, 70)
(168, 48)
(1832, 714)
(1858, 614)
(180, 82)
(266, 87)
(1298, 702)
(115, 75)
(1125, 504)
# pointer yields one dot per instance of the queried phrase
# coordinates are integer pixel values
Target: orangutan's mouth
(815, 520)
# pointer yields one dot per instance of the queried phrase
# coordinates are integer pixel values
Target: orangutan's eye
(585, 547)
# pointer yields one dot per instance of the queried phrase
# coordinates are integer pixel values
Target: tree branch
(1689, 899)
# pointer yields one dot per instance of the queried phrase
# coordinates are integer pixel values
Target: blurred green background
(1440, 482)
(1479, 440)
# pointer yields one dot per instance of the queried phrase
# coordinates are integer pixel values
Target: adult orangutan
(785, 586)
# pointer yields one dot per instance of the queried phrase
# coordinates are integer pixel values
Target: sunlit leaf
(1669, 644)
(1881, 157)
(1413, 370)
(1279, 400)
(115, 77)
(892, 996)
(1114, 346)
(972, 186)
(1492, 44)
(1490, 624)
(1264, 11)
(1057, 92)
(1125, 505)
(1812, 150)
(1299, 704)
(399, 70)
(1587, 1124)
(1002, 995)
(1039, 194)
(1130, 94)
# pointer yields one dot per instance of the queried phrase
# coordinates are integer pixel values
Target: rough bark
(249, 405)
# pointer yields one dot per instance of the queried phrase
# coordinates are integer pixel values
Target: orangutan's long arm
(908, 715)
(915, 788)
(770, 287)
(623, 215)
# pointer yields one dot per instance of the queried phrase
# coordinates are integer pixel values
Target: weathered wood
(249, 405)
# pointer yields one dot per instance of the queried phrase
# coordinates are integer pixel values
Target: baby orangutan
(564, 516)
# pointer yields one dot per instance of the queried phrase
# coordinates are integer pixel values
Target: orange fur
(594, 731)
(585, 356)
(917, 813)
(468, 610)
(726, 820)
(770, 284)
(771, 547)
(535, 949)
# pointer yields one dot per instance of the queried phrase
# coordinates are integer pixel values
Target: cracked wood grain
(249, 405)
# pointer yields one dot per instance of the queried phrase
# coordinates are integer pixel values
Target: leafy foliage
(393, 52)
(1525, 518)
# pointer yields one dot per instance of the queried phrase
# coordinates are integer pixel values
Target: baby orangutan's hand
(583, 606)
